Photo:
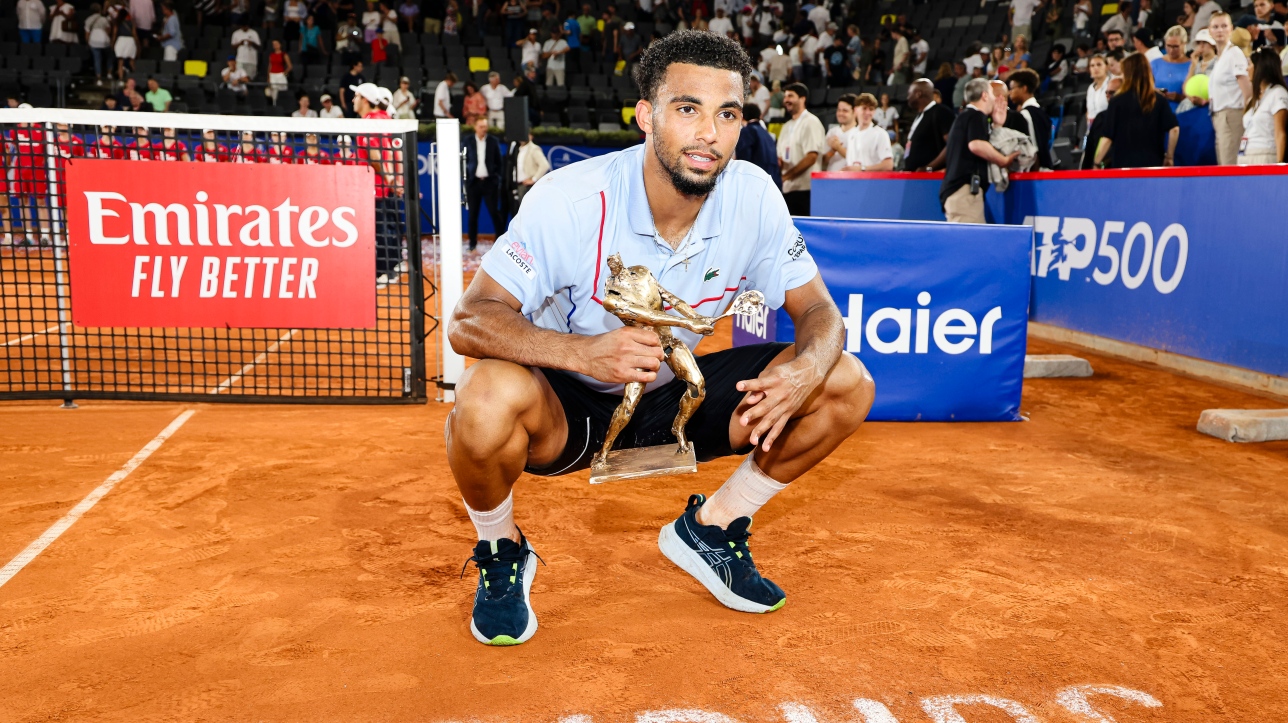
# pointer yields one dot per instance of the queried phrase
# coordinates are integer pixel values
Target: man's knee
(490, 397)
(848, 392)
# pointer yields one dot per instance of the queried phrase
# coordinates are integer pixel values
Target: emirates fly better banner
(221, 245)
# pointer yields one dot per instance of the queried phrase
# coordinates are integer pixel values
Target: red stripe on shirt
(599, 250)
(713, 298)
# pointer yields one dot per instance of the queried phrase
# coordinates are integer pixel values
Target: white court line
(29, 337)
(53, 533)
(227, 383)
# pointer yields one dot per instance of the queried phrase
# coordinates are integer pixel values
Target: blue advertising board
(937, 312)
(558, 155)
(1183, 260)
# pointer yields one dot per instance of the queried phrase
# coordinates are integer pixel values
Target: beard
(683, 179)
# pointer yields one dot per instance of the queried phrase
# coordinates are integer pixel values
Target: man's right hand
(628, 354)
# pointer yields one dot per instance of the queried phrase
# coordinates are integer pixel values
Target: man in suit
(483, 179)
(756, 146)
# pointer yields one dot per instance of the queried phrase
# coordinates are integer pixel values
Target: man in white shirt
(495, 94)
(246, 41)
(531, 165)
(899, 68)
(31, 20)
(443, 97)
(329, 109)
(800, 146)
(1120, 22)
(1143, 41)
(758, 94)
(977, 60)
(554, 51)
(920, 53)
(1228, 90)
(1203, 14)
(1022, 18)
(234, 77)
(720, 24)
(819, 15)
(867, 147)
(531, 49)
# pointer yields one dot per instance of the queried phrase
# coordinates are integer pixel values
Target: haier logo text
(1062, 245)
(954, 331)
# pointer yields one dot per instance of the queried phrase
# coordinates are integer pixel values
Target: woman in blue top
(1171, 70)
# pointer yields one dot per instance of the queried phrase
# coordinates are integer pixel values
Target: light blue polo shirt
(554, 257)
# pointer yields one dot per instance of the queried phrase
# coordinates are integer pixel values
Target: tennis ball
(1197, 87)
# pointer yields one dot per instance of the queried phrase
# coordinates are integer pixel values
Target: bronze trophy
(635, 297)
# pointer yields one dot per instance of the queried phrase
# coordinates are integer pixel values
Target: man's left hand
(775, 396)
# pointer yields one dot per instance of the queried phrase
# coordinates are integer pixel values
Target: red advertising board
(221, 245)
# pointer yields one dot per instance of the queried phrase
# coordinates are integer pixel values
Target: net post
(448, 132)
(60, 242)
(411, 208)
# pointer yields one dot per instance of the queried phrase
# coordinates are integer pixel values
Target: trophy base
(642, 462)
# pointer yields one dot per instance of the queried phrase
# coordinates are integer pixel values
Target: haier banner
(937, 312)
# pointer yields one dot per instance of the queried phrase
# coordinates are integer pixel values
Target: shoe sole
(529, 572)
(669, 542)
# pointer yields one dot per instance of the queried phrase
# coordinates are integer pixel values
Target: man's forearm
(496, 331)
(938, 161)
(820, 337)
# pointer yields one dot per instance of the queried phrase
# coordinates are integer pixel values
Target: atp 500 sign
(1113, 252)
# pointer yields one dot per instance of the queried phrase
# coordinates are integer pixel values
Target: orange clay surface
(291, 563)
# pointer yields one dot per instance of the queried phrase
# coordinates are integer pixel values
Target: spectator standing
(1098, 92)
(867, 146)
(1202, 58)
(474, 105)
(758, 94)
(494, 93)
(246, 41)
(234, 78)
(530, 49)
(819, 16)
(329, 108)
(1024, 85)
(145, 16)
(157, 97)
(171, 37)
(555, 51)
(349, 81)
(1022, 17)
(62, 23)
(389, 24)
(483, 179)
(837, 135)
(839, 70)
(293, 14)
(756, 145)
(1139, 126)
(371, 22)
(1203, 12)
(1120, 22)
(379, 51)
(902, 53)
(405, 100)
(443, 97)
(310, 41)
(433, 13)
(31, 20)
(920, 54)
(1172, 70)
(303, 111)
(125, 43)
(926, 149)
(279, 70)
(1265, 121)
(629, 46)
(572, 34)
(946, 79)
(530, 166)
(98, 36)
(721, 25)
(1228, 90)
(1143, 42)
(348, 41)
(968, 153)
(800, 146)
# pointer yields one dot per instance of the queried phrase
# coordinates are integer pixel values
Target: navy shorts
(589, 412)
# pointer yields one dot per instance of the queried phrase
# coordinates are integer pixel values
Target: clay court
(279, 563)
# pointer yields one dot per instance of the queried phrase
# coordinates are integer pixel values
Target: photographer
(968, 156)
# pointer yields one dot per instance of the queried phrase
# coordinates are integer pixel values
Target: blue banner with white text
(937, 312)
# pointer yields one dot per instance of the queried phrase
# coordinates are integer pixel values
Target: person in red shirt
(68, 146)
(248, 151)
(376, 151)
(313, 154)
(279, 69)
(31, 175)
(379, 55)
(107, 147)
(141, 148)
(210, 150)
(278, 150)
(171, 148)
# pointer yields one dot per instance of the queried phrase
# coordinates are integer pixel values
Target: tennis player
(553, 362)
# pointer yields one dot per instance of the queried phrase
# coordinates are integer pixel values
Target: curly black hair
(695, 48)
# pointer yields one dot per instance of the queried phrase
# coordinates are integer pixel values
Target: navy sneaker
(720, 560)
(503, 612)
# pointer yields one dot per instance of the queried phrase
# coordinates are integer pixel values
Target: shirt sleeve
(1238, 63)
(781, 262)
(977, 128)
(882, 149)
(536, 256)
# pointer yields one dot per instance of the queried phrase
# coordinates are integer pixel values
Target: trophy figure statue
(635, 297)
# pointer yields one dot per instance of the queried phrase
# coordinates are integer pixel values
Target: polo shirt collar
(706, 226)
(1030, 103)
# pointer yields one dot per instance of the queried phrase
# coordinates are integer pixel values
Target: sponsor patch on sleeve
(797, 249)
(517, 252)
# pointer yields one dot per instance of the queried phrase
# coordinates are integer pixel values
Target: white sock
(497, 524)
(742, 495)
